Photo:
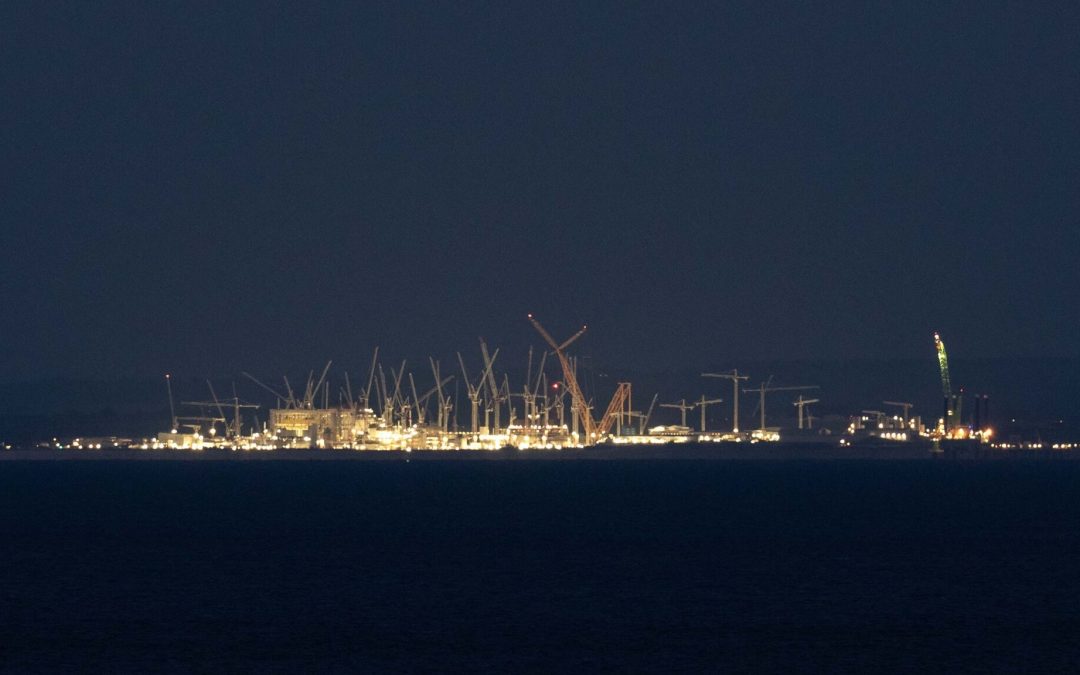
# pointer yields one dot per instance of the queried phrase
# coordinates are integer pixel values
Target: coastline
(692, 452)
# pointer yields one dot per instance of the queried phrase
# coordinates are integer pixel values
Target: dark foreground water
(873, 566)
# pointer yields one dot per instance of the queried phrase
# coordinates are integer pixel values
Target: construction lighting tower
(801, 403)
(734, 376)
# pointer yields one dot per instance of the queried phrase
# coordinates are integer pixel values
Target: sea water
(782, 566)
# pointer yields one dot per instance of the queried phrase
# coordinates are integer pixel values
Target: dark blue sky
(220, 187)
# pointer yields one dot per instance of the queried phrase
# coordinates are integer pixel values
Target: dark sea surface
(781, 566)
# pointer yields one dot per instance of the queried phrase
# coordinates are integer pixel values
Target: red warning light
(555, 386)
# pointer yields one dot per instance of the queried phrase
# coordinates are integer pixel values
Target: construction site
(548, 409)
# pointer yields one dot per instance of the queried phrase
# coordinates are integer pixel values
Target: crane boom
(172, 408)
(577, 399)
(371, 378)
(322, 378)
(620, 400)
(645, 420)
(489, 361)
(953, 402)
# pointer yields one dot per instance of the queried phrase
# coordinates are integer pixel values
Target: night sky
(209, 188)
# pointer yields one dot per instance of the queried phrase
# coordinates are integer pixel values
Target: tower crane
(445, 404)
(504, 396)
(395, 399)
(531, 392)
(801, 403)
(232, 429)
(541, 380)
(906, 407)
(682, 406)
(734, 376)
(544, 406)
(420, 412)
(474, 390)
(558, 401)
(495, 394)
(348, 392)
(290, 401)
(701, 403)
(761, 391)
(312, 388)
(421, 401)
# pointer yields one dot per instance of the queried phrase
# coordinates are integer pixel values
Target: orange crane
(594, 431)
(618, 408)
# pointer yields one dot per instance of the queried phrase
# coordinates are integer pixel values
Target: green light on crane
(943, 363)
(952, 412)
